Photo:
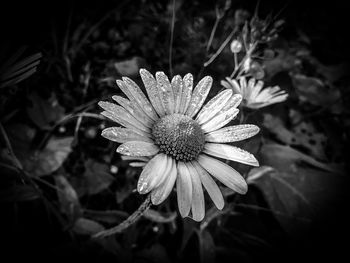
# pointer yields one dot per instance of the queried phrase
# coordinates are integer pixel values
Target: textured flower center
(179, 136)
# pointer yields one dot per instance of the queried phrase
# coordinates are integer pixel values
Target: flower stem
(128, 222)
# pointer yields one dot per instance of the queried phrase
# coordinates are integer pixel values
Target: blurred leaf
(109, 216)
(50, 158)
(286, 156)
(206, 247)
(88, 227)
(302, 134)
(257, 172)
(68, 198)
(44, 113)
(97, 176)
(314, 91)
(12, 72)
(295, 193)
(128, 67)
(158, 217)
(19, 193)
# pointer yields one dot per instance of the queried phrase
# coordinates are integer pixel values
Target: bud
(246, 64)
(236, 46)
(114, 169)
(256, 70)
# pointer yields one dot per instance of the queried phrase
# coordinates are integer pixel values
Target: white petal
(136, 158)
(134, 110)
(233, 102)
(220, 120)
(186, 92)
(165, 92)
(153, 174)
(184, 189)
(161, 193)
(134, 93)
(137, 164)
(213, 106)
(198, 206)
(199, 95)
(224, 173)
(229, 152)
(256, 90)
(177, 86)
(152, 91)
(210, 185)
(121, 115)
(138, 148)
(121, 135)
(232, 133)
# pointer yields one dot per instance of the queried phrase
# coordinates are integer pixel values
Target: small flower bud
(236, 46)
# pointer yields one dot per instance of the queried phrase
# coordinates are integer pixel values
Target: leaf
(50, 158)
(314, 91)
(44, 113)
(84, 226)
(97, 176)
(158, 217)
(68, 198)
(297, 194)
(128, 67)
(12, 72)
(206, 247)
(302, 134)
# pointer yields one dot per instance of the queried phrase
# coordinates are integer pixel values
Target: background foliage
(72, 184)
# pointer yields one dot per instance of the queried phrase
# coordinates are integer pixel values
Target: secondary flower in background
(175, 139)
(254, 96)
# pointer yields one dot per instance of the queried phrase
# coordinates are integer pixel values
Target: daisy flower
(254, 96)
(175, 140)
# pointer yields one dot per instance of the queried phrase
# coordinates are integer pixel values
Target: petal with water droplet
(186, 92)
(220, 120)
(166, 93)
(153, 174)
(121, 135)
(232, 133)
(213, 106)
(229, 152)
(198, 206)
(159, 194)
(134, 110)
(177, 86)
(121, 115)
(152, 91)
(210, 185)
(224, 173)
(184, 189)
(199, 95)
(138, 148)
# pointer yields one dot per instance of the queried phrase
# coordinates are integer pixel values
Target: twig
(212, 34)
(128, 222)
(171, 40)
(221, 48)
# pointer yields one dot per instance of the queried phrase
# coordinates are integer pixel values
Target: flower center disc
(179, 136)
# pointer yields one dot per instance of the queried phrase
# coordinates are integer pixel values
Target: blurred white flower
(254, 96)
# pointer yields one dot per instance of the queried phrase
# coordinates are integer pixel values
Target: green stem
(128, 222)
